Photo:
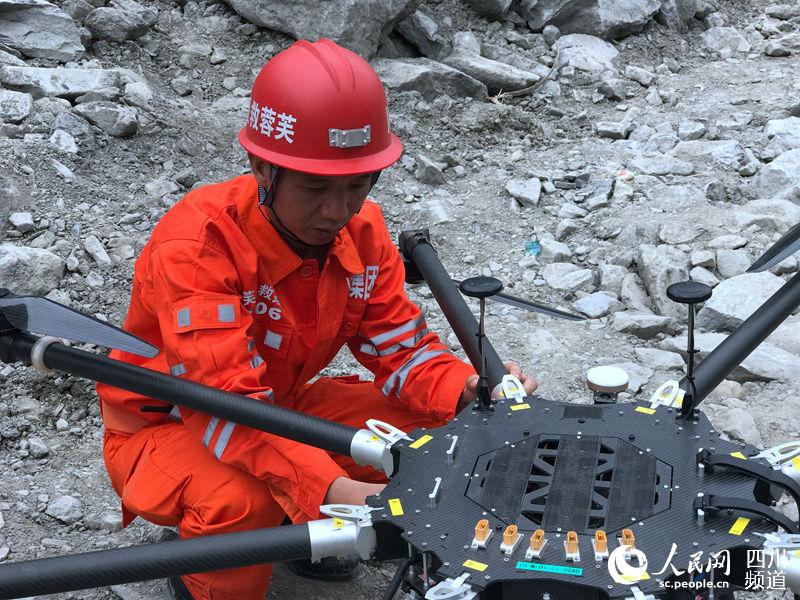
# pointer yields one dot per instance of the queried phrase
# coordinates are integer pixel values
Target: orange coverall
(232, 306)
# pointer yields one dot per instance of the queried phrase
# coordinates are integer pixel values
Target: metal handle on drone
(482, 288)
(766, 477)
(738, 345)
(283, 422)
(415, 246)
(710, 503)
(349, 531)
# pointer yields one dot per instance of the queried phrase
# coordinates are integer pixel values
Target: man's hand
(470, 393)
(344, 490)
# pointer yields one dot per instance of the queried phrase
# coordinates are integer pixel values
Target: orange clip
(537, 540)
(510, 535)
(628, 539)
(600, 541)
(482, 530)
(572, 542)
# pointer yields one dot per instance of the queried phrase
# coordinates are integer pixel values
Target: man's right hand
(344, 490)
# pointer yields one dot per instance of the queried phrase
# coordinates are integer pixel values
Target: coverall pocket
(152, 492)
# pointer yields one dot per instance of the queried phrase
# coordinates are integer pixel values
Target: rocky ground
(672, 149)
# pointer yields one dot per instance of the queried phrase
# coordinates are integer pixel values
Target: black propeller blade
(45, 317)
(786, 246)
(531, 306)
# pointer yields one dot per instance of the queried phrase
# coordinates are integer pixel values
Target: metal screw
(424, 543)
(447, 564)
(428, 525)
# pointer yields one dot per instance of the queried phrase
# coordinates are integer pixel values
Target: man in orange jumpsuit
(253, 286)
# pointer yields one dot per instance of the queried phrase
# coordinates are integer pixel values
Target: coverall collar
(278, 258)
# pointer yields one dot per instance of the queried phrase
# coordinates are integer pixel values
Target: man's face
(314, 207)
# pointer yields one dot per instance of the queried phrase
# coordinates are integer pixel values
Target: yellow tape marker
(338, 523)
(373, 438)
(396, 507)
(520, 406)
(739, 526)
(738, 455)
(473, 564)
(796, 462)
(420, 442)
(645, 410)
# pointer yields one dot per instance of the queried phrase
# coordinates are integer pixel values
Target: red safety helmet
(321, 109)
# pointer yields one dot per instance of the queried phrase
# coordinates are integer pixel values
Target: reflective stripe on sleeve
(212, 425)
(224, 436)
(385, 337)
(407, 343)
(397, 379)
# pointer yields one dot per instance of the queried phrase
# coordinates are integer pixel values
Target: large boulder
(39, 29)
(766, 363)
(14, 106)
(781, 177)
(775, 214)
(494, 74)
(660, 267)
(603, 18)
(423, 32)
(728, 39)
(491, 9)
(122, 20)
(428, 77)
(29, 271)
(735, 299)
(115, 119)
(586, 53)
(678, 14)
(64, 82)
(725, 153)
(356, 24)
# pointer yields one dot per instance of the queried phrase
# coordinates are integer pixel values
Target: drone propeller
(531, 306)
(786, 246)
(45, 317)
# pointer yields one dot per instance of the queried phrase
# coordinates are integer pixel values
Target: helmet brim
(332, 167)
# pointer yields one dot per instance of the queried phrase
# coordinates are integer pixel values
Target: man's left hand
(470, 393)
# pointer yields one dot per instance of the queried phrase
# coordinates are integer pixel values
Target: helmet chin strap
(266, 198)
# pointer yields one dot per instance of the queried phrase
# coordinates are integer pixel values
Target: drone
(517, 497)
